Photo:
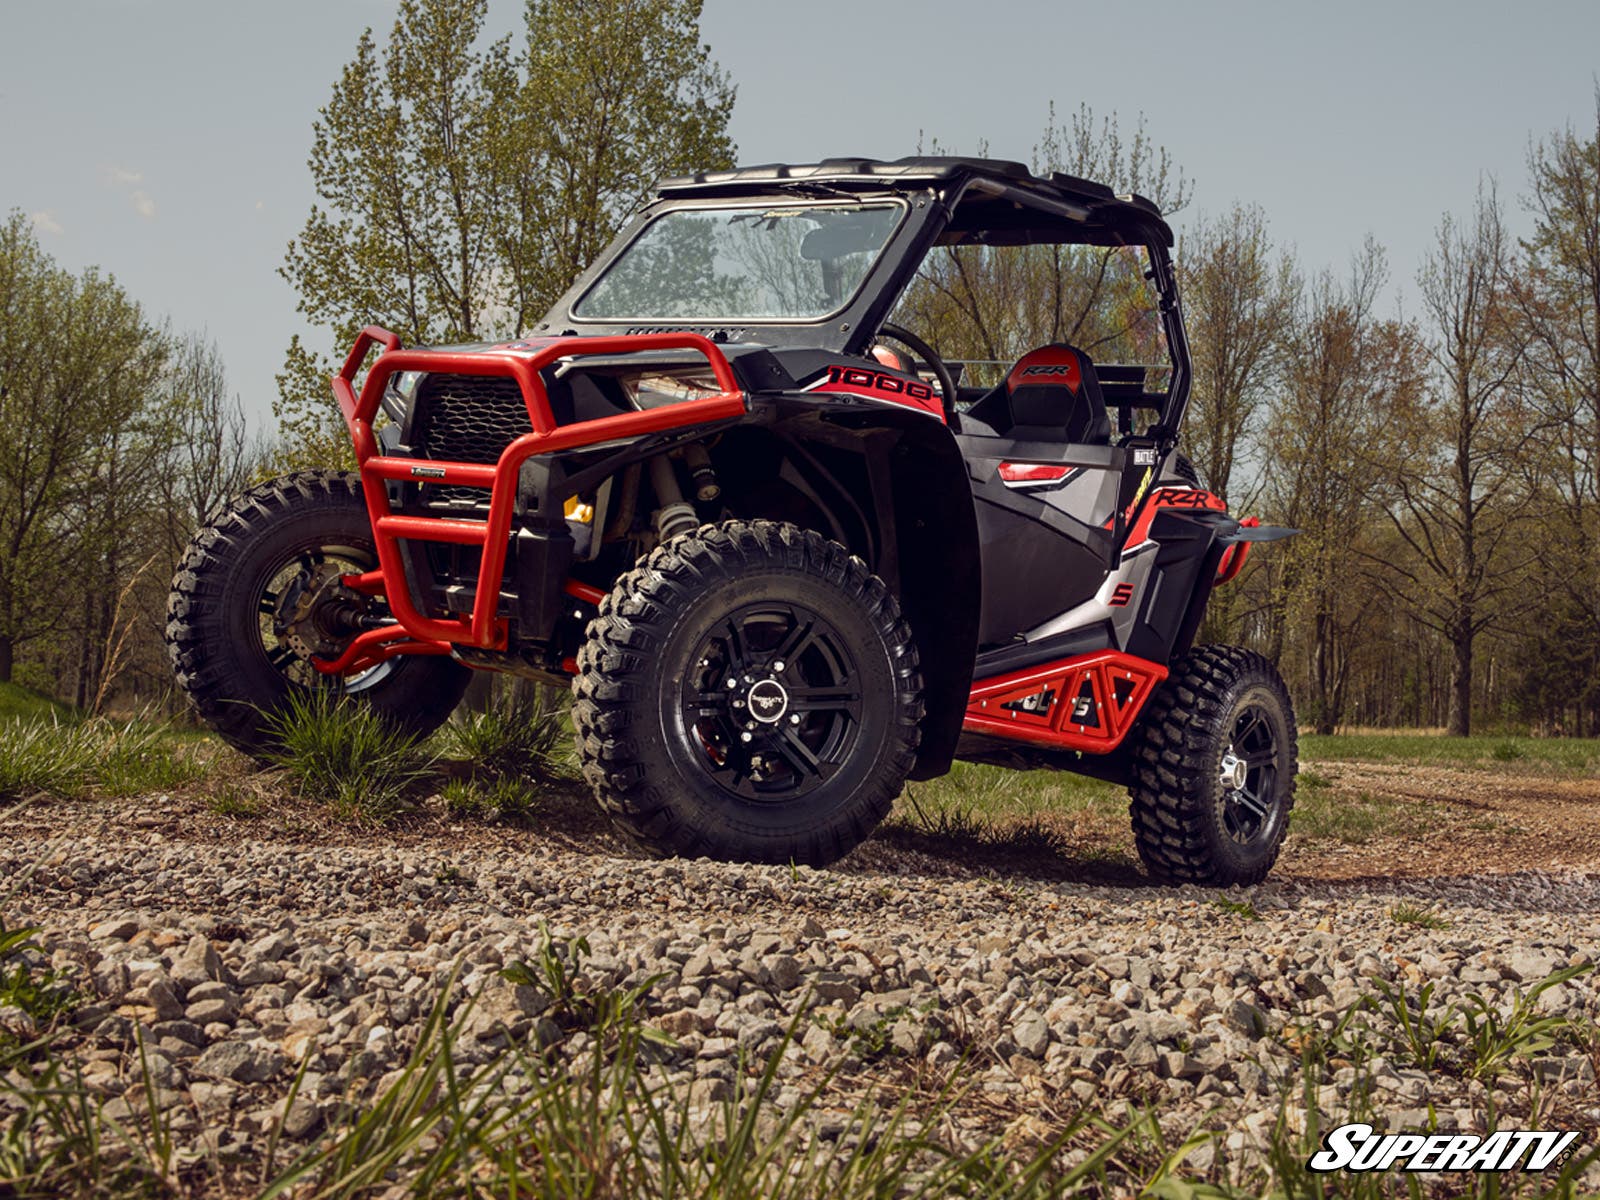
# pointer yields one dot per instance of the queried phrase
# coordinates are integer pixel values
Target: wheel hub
(767, 701)
(317, 614)
(1234, 771)
(773, 706)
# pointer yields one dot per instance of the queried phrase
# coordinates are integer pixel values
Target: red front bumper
(522, 361)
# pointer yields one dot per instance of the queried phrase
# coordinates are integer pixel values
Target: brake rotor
(318, 614)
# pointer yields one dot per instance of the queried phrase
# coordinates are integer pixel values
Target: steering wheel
(947, 381)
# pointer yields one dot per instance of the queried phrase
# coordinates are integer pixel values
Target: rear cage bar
(484, 629)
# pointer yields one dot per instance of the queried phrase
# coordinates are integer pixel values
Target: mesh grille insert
(467, 418)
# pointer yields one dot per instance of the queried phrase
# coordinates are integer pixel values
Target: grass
(68, 759)
(522, 734)
(1485, 751)
(344, 756)
(1321, 814)
(18, 701)
(1413, 914)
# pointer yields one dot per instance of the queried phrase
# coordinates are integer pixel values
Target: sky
(166, 140)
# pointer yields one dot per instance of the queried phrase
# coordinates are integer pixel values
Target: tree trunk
(1460, 722)
(7, 656)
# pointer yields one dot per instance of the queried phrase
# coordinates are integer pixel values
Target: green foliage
(68, 758)
(1237, 908)
(45, 757)
(77, 360)
(519, 735)
(21, 702)
(38, 991)
(1566, 754)
(498, 799)
(1412, 914)
(462, 186)
(341, 754)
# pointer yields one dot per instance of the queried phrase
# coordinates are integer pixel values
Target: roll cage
(949, 201)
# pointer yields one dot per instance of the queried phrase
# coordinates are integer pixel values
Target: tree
(1560, 303)
(207, 455)
(1345, 368)
(461, 188)
(1239, 301)
(1455, 459)
(995, 303)
(76, 360)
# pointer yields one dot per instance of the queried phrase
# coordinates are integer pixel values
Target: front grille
(467, 418)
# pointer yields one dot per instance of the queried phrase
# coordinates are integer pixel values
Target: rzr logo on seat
(1060, 369)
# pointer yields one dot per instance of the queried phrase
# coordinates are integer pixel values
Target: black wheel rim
(275, 593)
(1249, 776)
(771, 703)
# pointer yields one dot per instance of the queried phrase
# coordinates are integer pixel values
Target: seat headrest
(1047, 366)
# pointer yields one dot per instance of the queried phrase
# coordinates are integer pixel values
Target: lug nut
(738, 703)
(794, 718)
(778, 666)
(744, 737)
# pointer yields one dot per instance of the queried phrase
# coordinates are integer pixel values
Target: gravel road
(241, 952)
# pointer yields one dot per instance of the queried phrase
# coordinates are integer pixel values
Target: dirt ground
(1353, 821)
(1454, 821)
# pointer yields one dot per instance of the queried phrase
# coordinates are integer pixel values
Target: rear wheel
(1214, 761)
(258, 594)
(750, 692)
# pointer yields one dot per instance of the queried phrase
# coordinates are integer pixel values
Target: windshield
(769, 262)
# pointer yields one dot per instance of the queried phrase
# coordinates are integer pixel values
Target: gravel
(241, 962)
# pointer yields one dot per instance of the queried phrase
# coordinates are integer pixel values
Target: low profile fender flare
(928, 553)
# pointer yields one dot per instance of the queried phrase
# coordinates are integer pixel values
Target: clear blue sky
(165, 140)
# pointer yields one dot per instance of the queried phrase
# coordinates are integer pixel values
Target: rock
(110, 980)
(163, 997)
(209, 1011)
(504, 1010)
(784, 971)
(1177, 1065)
(942, 1054)
(119, 929)
(1031, 1033)
(199, 963)
(832, 987)
(239, 1061)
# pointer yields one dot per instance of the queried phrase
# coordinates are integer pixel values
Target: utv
(783, 565)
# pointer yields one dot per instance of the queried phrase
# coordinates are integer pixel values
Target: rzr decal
(1120, 595)
(1168, 497)
(877, 385)
(1046, 366)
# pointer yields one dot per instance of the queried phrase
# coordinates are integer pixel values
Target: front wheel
(1214, 761)
(749, 692)
(259, 594)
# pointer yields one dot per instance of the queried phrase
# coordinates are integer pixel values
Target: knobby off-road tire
(219, 614)
(749, 692)
(1220, 707)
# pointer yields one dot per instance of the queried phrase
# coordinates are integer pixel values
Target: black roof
(990, 185)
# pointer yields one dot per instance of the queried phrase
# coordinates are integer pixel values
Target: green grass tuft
(1238, 908)
(1412, 914)
(342, 755)
(522, 734)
